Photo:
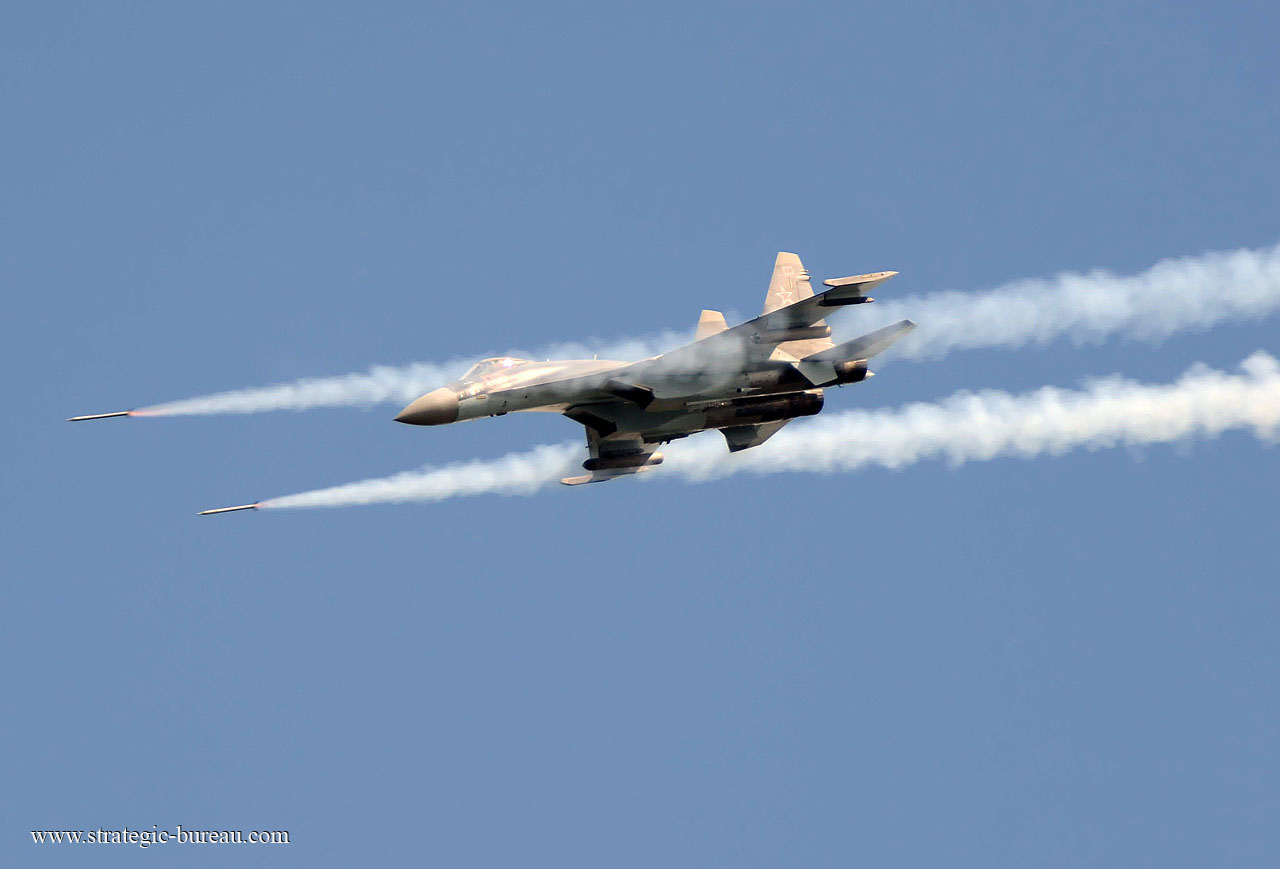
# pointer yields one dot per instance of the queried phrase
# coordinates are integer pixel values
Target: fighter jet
(747, 381)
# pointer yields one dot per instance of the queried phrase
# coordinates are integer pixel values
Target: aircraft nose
(437, 407)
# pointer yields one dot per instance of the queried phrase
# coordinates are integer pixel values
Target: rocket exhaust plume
(1174, 295)
(968, 426)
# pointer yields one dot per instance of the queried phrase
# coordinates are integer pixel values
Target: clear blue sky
(1061, 662)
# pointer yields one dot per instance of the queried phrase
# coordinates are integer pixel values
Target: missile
(253, 506)
(99, 416)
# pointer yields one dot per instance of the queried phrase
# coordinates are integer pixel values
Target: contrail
(1174, 295)
(968, 426)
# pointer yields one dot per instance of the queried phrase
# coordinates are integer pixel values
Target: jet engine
(749, 411)
(854, 371)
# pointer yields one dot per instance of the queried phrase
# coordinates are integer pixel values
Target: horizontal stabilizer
(852, 290)
(820, 368)
(865, 347)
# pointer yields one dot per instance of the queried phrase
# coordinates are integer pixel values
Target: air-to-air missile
(229, 509)
(99, 416)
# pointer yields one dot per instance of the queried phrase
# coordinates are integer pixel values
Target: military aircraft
(747, 381)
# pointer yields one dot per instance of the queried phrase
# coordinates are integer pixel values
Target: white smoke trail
(514, 474)
(1171, 296)
(968, 426)
(383, 384)
(1176, 294)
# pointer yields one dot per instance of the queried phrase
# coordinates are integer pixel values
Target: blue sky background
(1060, 662)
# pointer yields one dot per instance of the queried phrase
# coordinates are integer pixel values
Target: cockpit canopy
(489, 366)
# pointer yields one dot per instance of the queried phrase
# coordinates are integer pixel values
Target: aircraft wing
(611, 455)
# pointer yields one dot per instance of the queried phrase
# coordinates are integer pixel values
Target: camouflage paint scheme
(747, 381)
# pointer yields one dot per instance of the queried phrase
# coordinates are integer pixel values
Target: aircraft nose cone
(435, 408)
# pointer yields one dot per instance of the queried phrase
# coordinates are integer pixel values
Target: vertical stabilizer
(743, 437)
(710, 323)
(790, 284)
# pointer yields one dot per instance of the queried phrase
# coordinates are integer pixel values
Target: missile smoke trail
(968, 426)
(1174, 295)
(1171, 296)
(383, 384)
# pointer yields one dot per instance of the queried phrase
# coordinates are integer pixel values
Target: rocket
(253, 506)
(99, 416)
